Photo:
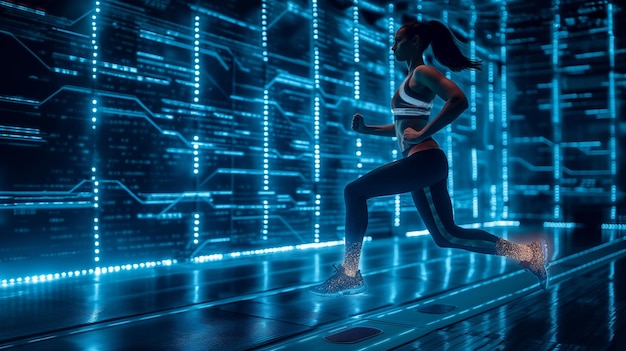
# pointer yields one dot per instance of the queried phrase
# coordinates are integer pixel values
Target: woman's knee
(352, 190)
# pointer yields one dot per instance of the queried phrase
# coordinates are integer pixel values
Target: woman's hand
(412, 136)
(358, 124)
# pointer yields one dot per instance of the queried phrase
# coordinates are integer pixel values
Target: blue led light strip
(355, 33)
(316, 120)
(196, 138)
(556, 110)
(504, 112)
(357, 81)
(444, 19)
(392, 88)
(472, 35)
(266, 107)
(419, 10)
(196, 228)
(94, 121)
(612, 109)
(493, 191)
(42, 278)
(196, 54)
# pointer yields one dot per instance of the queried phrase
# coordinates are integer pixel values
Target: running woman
(423, 170)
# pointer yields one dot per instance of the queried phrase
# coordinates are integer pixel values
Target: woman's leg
(415, 172)
(434, 205)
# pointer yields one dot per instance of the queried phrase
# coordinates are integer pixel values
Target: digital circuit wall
(146, 131)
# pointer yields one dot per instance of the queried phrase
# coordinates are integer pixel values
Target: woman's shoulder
(426, 70)
(423, 73)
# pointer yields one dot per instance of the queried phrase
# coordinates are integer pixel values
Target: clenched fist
(358, 124)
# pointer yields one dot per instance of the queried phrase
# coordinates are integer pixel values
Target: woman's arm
(456, 103)
(358, 125)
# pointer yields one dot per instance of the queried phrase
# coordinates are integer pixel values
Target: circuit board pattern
(566, 76)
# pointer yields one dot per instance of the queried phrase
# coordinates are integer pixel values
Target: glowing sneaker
(540, 262)
(340, 284)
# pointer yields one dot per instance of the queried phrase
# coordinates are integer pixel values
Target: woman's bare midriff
(417, 124)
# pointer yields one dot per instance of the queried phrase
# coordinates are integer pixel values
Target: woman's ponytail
(446, 48)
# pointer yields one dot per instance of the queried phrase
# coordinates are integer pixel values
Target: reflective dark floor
(262, 303)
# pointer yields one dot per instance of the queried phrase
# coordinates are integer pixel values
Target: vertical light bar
(474, 181)
(264, 29)
(266, 107)
(316, 121)
(472, 36)
(196, 155)
(96, 218)
(444, 19)
(491, 89)
(504, 112)
(357, 80)
(612, 109)
(196, 99)
(355, 38)
(556, 110)
(419, 10)
(392, 88)
(196, 53)
(94, 121)
(196, 228)
(493, 201)
(196, 94)
(94, 40)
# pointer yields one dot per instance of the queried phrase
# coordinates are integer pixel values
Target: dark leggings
(424, 174)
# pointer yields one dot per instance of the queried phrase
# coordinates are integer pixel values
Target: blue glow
(504, 112)
(612, 99)
(492, 224)
(316, 120)
(208, 126)
(472, 36)
(272, 250)
(356, 53)
(264, 29)
(196, 228)
(391, 31)
(43, 278)
(196, 65)
(556, 111)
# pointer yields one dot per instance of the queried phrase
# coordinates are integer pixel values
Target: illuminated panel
(46, 137)
(197, 129)
(145, 136)
(570, 77)
(528, 139)
(233, 197)
(587, 121)
(373, 101)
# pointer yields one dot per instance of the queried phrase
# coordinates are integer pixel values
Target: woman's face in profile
(402, 47)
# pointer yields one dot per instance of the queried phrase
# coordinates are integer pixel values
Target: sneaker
(540, 262)
(340, 284)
